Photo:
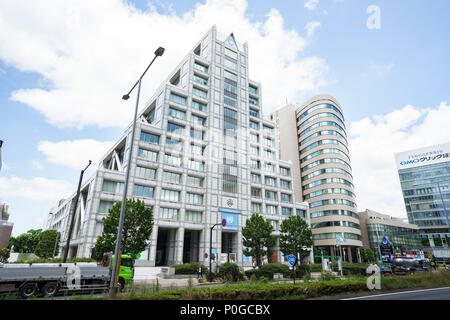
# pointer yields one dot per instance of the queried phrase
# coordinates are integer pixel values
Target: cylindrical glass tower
(326, 176)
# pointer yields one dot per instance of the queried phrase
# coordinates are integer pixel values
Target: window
(269, 167)
(200, 80)
(230, 63)
(256, 207)
(198, 120)
(168, 213)
(286, 197)
(230, 171)
(230, 76)
(198, 106)
(285, 172)
(285, 184)
(255, 164)
(171, 177)
(174, 128)
(286, 211)
(143, 191)
(172, 160)
(230, 53)
(267, 129)
(200, 93)
(301, 213)
(194, 149)
(254, 113)
(254, 137)
(176, 113)
(269, 181)
(271, 209)
(253, 90)
(254, 151)
(104, 206)
(145, 173)
(253, 101)
(194, 198)
(254, 125)
(200, 67)
(112, 186)
(177, 99)
(269, 154)
(256, 178)
(271, 195)
(194, 181)
(150, 138)
(193, 216)
(196, 165)
(268, 142)
(148, 155)
(174, 144)
(170, 195)
(255, 192)
(196, 134)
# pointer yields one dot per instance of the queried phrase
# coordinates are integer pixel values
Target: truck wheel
(49, 289)
(28, 290)
(121, 284)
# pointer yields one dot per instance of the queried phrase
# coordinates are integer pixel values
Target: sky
(64, 66)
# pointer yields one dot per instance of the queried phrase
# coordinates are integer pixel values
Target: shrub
(4, 255)
(268, 270)
(210, 276)
(189, 268)
(230, 272)
(326, 276)
(302, 270)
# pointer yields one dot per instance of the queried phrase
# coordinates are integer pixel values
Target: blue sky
(392, 82)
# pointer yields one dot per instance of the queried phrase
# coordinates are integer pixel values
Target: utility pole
(66, 250)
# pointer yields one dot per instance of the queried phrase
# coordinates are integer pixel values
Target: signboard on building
(423, 156)
(232, 221)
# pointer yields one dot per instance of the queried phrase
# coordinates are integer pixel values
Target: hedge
(269, 269)
(56, 260)
(189, 268)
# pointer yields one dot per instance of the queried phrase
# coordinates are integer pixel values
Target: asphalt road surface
(424, 294)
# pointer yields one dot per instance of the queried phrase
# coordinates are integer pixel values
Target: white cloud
(373, 143)
(35, 189)
(89, 53)
(381, 69)
(37, 164)
(311, 4)
(74, 153)
(311, 27)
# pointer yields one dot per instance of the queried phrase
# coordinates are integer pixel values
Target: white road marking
(394, 293)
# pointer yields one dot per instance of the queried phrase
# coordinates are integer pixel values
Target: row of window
(324, 151)
(268, 142)
(181, 115)
(327, 170)
(269, 167)
(322, 142)
(326, 160)
(333, 213)
(270, 209)
(200, 106)
(332, 201)
(320, 106)
(322, 133)
(329, 191)
(332, 235)
(270, 181)
(326, 224)
(326, 181)
(321, 124)
(270, 195)
(320, 115)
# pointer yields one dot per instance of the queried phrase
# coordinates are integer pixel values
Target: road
(423, 294)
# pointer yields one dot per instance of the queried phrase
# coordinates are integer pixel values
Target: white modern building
(313, 136)
(202, 153)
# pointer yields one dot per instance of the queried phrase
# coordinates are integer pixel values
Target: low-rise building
(375, 226)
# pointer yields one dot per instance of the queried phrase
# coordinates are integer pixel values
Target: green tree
(4, 255)
(26, 242)
(367, 254)
(257, 238)
(46, 245)
(137, 228)
(295, 238)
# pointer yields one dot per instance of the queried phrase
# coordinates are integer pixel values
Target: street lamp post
(210, 245)
(112, 286)
(66, 249)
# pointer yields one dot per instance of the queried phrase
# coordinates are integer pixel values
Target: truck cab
(126, 270)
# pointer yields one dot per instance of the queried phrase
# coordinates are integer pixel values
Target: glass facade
(422, 188)
(402, 238)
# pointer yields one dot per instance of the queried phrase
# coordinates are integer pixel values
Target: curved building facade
(324, 175)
